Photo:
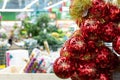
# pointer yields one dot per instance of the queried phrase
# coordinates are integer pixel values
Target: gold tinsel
(78, 7)
(114, 2)
(118, 3)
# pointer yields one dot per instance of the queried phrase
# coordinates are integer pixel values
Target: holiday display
(86, 55)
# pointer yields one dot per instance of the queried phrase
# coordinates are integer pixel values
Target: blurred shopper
(11, 36)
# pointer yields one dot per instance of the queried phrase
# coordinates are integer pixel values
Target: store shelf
(30, 76)
(16, 73)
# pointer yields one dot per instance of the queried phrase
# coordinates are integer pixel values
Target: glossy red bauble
(100, 10)
(108, 32)
(89, 29)
(106, 59)
(63, 68)
(116, 44)
(86, 69)
(76, 45)
(114, 13)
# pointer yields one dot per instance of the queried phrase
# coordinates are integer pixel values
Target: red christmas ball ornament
(90, 29)
(86, 70)
(91, 46)
(106, 59)
(114, 13)
(63, 68)
(108, 32)
(76, 45)
(116, 44)
(102, 57)
(100, 10)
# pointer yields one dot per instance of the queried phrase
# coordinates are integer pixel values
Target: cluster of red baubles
(85, 56)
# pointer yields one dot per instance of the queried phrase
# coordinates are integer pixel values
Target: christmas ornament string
(92, 52)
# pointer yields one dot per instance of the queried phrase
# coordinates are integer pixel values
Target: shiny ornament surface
(90, 29)
(106, 59)
(86, 70)
(75, 77)
(62, 68)
(108, 32)
(114, 13)
(105, 76)
(87, 56)
(99, 10)
(65, 53)
(116, 44)
(76, 45)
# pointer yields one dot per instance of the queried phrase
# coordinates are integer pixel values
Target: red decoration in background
(50, 9)
(60, 9)
(64, 4)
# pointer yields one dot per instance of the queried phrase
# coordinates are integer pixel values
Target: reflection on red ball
(116, 44)
(75, 77)
(65, 53)
(104, 76)
(62, 68)
(76, 45)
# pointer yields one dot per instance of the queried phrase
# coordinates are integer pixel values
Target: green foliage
(38, 31)
(52, 41)
(51, 28)
(4, 36)
(42, 21)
